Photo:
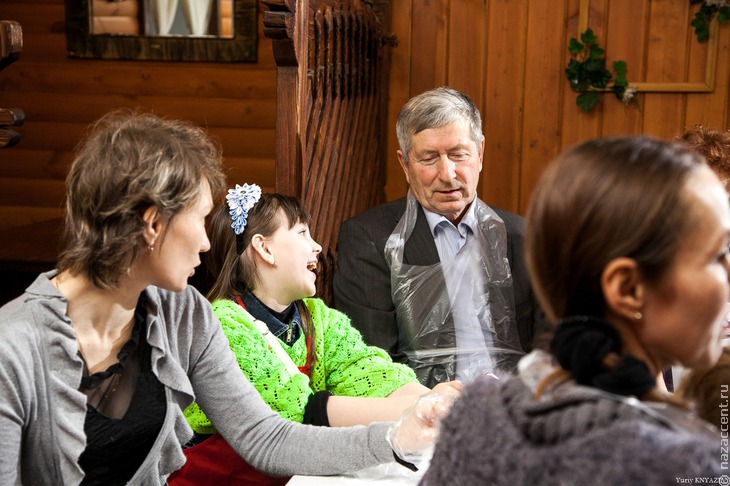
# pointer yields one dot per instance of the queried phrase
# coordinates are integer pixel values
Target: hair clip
(240, 201)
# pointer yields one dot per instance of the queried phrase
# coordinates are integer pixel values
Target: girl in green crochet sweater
(307, 361)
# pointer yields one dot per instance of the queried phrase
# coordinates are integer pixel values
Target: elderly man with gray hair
(437, 278)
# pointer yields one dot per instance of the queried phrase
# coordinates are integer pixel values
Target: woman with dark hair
(305, 358)
(627, 245)
(99, 358)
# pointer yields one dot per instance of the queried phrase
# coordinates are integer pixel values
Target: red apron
(213, 462)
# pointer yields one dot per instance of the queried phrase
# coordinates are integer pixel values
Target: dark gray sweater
(497, 434)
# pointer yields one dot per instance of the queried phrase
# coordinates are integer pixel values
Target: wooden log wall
(509, 55)
(236, 102)
(115, 17)
(60, 96)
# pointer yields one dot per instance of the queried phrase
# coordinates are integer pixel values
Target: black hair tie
(581, 343)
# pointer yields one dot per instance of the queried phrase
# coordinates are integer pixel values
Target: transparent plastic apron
(474, 289)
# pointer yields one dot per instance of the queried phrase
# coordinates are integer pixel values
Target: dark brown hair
(127, 163)
(604, 199)
(233, 272)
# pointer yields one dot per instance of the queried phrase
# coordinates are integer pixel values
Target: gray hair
(434, 109)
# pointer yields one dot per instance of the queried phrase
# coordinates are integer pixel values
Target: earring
(151, 248)
(638, 316)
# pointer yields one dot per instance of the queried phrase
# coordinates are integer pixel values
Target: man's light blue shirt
(473, 356)
(450, 239)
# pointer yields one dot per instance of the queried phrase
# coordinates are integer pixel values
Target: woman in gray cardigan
(627, 246)
(99, 358)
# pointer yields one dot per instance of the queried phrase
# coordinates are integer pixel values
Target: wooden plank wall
(510, 56)
(61, 96)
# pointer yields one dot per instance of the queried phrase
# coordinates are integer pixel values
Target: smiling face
(295, 262)
(177, 251)
(443, 168)
(685, 313)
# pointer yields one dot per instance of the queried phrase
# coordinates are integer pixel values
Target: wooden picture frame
(708, 85)
(242, 47)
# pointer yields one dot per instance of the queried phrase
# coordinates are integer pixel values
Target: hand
(413, 436)
(450, 389)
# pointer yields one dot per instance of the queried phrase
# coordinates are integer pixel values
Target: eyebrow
(430, 151)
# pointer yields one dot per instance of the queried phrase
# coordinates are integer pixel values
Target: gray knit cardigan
(498, 434)
(42, 411)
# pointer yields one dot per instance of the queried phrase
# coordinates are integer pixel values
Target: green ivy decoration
(588, 75)
(706, 13)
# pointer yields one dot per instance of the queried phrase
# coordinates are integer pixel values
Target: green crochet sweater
(345, 365)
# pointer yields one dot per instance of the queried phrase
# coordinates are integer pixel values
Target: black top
(116, 447)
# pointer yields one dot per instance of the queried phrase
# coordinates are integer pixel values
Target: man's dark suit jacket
(362, 286)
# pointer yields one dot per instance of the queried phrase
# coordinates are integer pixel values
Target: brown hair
(604, 199)
(233, 272)
(714, 145)
(127, 163)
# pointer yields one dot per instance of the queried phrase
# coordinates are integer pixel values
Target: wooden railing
(11, 44)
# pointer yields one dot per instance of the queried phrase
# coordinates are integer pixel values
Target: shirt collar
(277, 322)
(469, 220)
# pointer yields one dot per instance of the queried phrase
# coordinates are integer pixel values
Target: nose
(316, 246)
(446, 168)
(206, 243)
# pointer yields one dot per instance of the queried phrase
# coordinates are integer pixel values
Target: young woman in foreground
(627, 245)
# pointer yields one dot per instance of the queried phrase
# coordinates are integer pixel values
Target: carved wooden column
(331, 111)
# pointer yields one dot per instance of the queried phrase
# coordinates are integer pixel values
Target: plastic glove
(413, 436)
(449, 389)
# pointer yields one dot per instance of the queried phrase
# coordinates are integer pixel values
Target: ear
(261, 247)
(481, 156)
(153, 225)
(623, 287)
(403, 165)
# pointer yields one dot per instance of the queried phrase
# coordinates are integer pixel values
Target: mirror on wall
(162, 30)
